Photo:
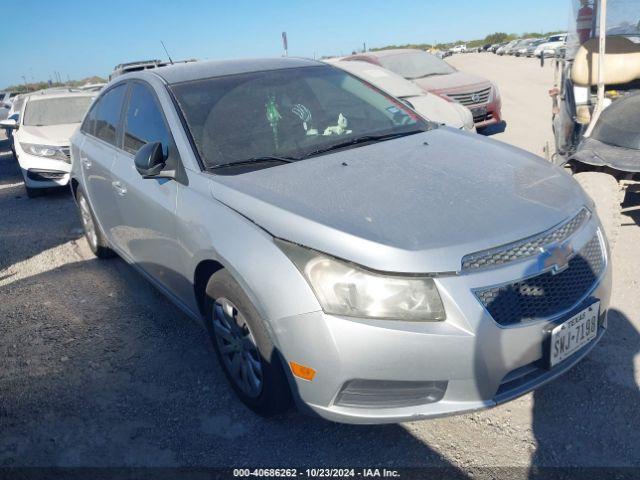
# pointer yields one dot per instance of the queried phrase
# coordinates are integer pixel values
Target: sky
(83, 38)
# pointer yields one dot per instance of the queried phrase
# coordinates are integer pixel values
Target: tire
(240, 338)
(92, 233)
(608, 195)
(33, 192)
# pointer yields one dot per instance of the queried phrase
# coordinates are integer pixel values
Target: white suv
(41, 137)
(549, 47)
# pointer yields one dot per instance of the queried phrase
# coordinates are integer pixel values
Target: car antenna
(165, 51)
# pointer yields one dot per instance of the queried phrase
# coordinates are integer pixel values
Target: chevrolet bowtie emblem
(556, 257)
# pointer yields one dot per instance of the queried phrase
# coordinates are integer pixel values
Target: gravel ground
(98, 369)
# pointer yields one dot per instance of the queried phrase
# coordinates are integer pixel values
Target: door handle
(86, 163)
(119, 188)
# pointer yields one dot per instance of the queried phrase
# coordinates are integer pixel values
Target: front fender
(209, 230)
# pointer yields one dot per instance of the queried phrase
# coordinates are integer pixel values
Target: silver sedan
(343, 253)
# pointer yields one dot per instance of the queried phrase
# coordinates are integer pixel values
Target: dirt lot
(97, 368)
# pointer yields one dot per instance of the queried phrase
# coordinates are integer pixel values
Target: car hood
(416, 204)
(50, 134)
(452, 81)
(437, 109)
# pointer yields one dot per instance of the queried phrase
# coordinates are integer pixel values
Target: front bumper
(40, 172)
(481, 362)
(492, 117)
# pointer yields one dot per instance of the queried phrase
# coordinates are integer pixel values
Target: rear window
(56, 111)
(415, 65)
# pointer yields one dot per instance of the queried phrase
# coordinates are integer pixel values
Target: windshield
(415, 65)
(291, 113)
(56, 111)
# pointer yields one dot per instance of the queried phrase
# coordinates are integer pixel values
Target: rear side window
(144, 121)
(103, 118)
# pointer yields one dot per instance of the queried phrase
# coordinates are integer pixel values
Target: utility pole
(364, 47)
(285, 44)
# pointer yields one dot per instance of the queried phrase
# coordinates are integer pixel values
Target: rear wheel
(243, 347)
(608, 196)
(97, 243)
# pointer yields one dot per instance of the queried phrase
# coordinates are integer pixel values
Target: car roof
(380, 77)
(36, 96)
(392, 51)
(185, 72)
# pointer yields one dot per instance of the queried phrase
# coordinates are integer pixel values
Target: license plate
(479, 111)
(575, 333)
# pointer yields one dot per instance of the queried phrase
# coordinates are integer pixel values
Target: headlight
(48, 151)
(343, 288)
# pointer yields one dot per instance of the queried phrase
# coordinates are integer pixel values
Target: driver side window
(144, 121)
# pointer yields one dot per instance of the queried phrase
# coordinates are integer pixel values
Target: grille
(546, 294)
(471, 98)
(525, 248)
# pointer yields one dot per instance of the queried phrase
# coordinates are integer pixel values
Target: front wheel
(95, 238)
(606, 193)
(243, 347)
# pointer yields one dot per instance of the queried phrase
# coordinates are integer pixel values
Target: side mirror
(9, 124)
(150, 161)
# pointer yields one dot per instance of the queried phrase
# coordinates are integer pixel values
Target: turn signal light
(303, 372)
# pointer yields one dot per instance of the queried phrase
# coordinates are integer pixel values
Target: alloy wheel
(87, 222)
(237, 347)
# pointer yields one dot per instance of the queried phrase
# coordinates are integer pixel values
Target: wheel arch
(203, 272)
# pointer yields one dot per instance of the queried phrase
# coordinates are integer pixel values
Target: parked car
(430, 106)
(549, 48)
(6, 98)
(14, 114)
(533, 45)
(340, 249)
(92, 87)
(517, 47)
(459, 49)
(504, 48)
(523, 47)
(437, 76)
(41, 137)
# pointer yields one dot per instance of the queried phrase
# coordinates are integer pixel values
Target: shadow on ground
(105, 371)
(25, 229)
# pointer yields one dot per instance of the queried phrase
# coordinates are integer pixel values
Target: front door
(146, 232)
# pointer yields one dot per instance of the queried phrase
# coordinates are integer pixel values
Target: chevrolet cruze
(343, 253)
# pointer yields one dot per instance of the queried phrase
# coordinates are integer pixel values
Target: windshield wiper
(362, 139)
(266, 158)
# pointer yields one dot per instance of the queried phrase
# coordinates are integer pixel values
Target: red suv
(436, 76)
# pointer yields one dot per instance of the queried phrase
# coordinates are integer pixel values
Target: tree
(498, 37)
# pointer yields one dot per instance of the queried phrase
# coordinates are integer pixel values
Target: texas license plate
(570, 336)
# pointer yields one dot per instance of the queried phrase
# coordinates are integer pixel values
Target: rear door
(96, 155)
(146, 230)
